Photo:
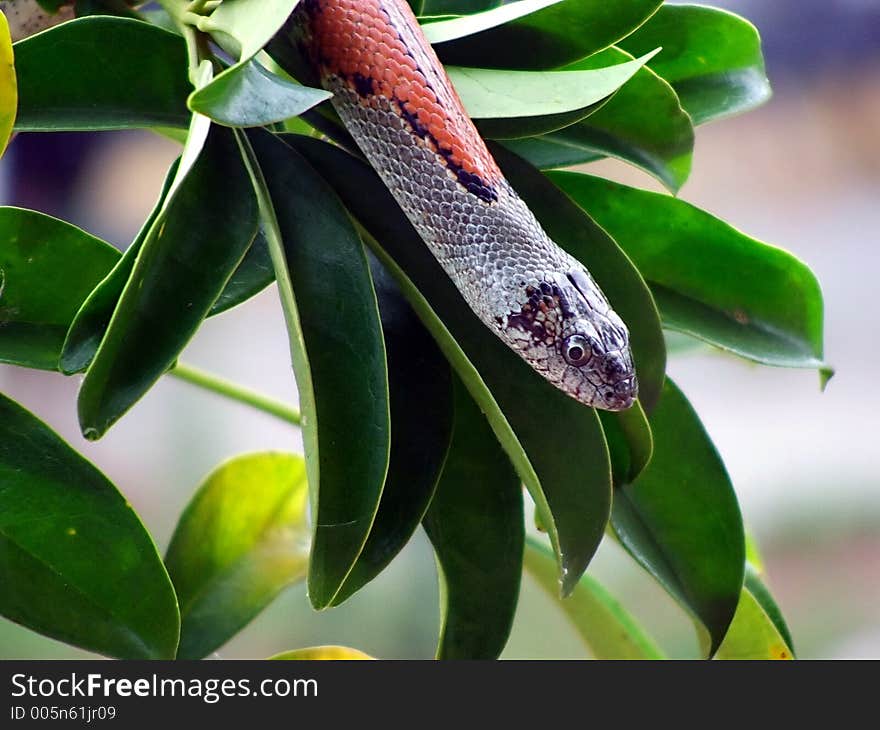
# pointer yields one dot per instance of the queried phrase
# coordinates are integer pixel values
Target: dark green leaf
(572, 501)
(510, 104)
(253, 274)
(475, 524)
(101, 73)
(52, 6)
(105, 7)
(84, 336)
(248, 95)
(605, 626)
(47, 268)
(555, 36)
(90, 323)
(630, 442)
(577, 233)
(421, 428)
(710, 280)
(189, 255)
(680, 518)
(76, 563)
(642, 124)
(242, 539)
(712, 57)
(344, 398)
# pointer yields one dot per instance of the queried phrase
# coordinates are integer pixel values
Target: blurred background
(803, 172)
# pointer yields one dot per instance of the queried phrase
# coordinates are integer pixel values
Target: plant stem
(197, 6)
(233, 391)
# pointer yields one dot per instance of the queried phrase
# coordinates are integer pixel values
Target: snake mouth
(622, 394)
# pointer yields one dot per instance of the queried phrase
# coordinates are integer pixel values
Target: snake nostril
(615, 366)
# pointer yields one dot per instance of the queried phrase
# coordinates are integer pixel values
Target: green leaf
(243, 27)
(752, 634)
(574, 231)
(104, 7)
(551, 37)
(193, 247)
(8, 85)
(630, 442)
(603, 624)
(513, 104)
(241, 540)
(101, 73)
(421, 428)
(329, 653)
(711, 56)
(247, 95)
(47, 268)
(475, 524)
(642, 124)
(76, 564)
(84, 336)
(441, 31)
(680, 518)
(573, 501)
(765, 599)
(710, 280)
(344, 398)
(253, 274)
(90, 323)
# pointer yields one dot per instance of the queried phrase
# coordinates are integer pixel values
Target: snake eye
(576, 350)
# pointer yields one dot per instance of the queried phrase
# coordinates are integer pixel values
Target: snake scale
(394, 98)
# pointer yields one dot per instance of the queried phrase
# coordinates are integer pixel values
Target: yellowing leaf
(752, 635)
(241, 541)
(312, 653)
(8, 88)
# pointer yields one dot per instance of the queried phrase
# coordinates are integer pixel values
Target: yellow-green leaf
(333, 653)
(606, 627)
(242, 539)
(752, 634)
(8, 88)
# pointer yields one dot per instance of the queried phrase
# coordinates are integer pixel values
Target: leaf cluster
(412, 413)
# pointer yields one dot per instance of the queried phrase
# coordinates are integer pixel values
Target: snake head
(595, 364)
(566, 330)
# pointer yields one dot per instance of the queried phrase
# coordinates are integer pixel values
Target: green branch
(233, 391)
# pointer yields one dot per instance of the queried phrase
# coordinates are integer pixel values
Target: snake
(394, 97)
